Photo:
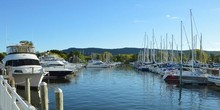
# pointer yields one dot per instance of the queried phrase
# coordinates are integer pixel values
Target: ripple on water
(126, 89)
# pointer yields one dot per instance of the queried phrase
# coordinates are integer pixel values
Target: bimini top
(20, 49)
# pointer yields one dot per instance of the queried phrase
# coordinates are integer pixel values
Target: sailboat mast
(6, 35)
(161, 45)
(166, 49)
(201, 53)
(181, 54)
(192, 38)
(172, 49)
(195, 47)
(147, 50)
(151, 52)
(153, 47)
(144, 47)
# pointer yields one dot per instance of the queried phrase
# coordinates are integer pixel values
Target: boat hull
(186, 79)
(58, 73)
(97, 66)
(35, 79)
(171, 79)
(214, 79)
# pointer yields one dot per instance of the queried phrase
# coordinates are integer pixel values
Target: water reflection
(57, 81)
(35, 96)
(67, 80)
(124, 88)
(180, 96)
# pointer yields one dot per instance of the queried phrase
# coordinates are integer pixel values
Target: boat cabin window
(22, 62)
(56, 65)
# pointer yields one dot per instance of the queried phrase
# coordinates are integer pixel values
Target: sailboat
(143, 63)
(193, 76)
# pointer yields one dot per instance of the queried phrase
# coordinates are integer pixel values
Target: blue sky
(61, 24)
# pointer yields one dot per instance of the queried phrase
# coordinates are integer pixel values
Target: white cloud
(171, 17)
(168, 16)
(139, 21)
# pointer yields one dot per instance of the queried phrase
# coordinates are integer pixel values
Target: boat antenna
(6, 35)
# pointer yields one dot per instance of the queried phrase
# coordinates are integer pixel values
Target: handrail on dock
(10, 100)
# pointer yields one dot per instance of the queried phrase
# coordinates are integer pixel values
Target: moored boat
(188, 77)
(97, 64)
(214, 79)
(56, 68)
(22, 62)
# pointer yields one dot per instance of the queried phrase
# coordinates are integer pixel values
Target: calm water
(126, 89)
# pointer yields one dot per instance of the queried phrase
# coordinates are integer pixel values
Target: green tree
(217, 59)
(125, 58)
(2, 55)
(201, 56)
(76, 57)
(24, 42)
(59, 53)
(211, 58)
(107, 56)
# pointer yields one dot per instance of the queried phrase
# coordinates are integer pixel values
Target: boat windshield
(22, 62)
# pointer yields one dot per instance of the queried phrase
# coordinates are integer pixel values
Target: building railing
(10, 100)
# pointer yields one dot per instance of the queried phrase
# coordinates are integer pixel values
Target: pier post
(9, 71)
(59, 99)
(13, 82)
(219, 71)
(44, 96)
(3, 71)
(27, 90)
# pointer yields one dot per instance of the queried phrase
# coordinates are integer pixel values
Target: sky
(62, 24)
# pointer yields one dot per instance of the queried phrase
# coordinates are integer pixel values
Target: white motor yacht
(97, 64)
(23, 63)
(56, 67)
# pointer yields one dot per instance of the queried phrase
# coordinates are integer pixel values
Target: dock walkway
(10, 100)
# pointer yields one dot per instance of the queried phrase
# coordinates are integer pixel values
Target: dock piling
(12, 82)
(9, 71)
(44, 96)
(3, 71)
(59, 99)
(27, 90)
(219, 71)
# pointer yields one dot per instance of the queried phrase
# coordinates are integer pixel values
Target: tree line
(77, 56)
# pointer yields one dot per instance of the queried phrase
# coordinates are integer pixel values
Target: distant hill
(88, 51)
(213, 52)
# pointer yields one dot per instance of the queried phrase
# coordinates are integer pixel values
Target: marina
(108, 55)
(123, 88)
